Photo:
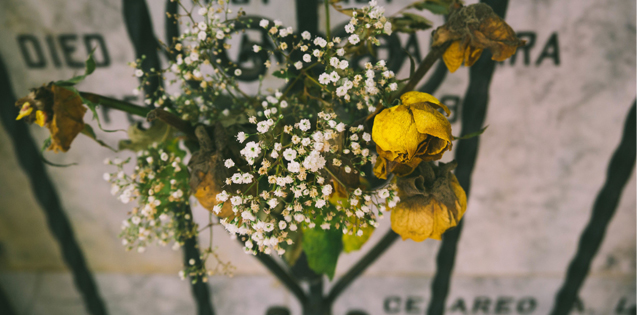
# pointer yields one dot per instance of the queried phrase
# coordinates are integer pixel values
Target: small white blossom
(354, 39)
(306, 35)
(304, 125)
(241, 136)
(289, 154)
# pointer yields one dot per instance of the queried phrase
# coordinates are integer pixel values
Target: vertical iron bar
(199, 288)
(619, 171)
(474, 111)
(140, 30)
(31, 163)
(139, 27)
(5, 305)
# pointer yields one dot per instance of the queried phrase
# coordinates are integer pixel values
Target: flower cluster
(160, 187)
(299, 176)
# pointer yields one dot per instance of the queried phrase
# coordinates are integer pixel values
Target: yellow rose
(472, 29)
(431, 201)
(59, 109)
(410, 133)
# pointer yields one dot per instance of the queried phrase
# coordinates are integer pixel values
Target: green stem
(327, 18)
(116, 104)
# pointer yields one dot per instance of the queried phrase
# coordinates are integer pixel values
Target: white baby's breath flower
(324, 78)
(289, 154)
(306, 35)
(241, 136)
(354, 39)
(305, 125)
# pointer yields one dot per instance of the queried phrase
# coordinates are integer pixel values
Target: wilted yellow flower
(59, 109)
(208, 174)
(410, 133)
(472, 29)
(431, 201)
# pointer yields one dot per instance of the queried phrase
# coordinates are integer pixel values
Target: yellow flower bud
(432, 201)
(410, 133)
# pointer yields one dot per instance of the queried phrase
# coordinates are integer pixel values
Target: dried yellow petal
(432, 201)
(453, 56)
(472, 29)
(40, 118)
(24, 111)
(68, 118)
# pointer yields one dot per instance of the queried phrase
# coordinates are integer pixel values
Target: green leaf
(46, 144)
(433, 7)
(410, 23)
(140, 139)
(293, 252)
(283, 74)
(322, 248)
(93, 107)
(471, 135)
(89, 68)
(88, 130)
(353, 242)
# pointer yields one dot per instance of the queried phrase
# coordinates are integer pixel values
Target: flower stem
(116, 104)
(168, 118)
(434, 54)
(327, 19)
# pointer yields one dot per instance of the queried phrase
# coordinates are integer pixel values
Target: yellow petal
(40, 118)
(380, 168)
(67, 121)
(461, 195)
(354, 242)
(471, 55)
(430, 121)
(453, 56)
(442, 220)
(413, 219)
(394, 131)
(414, 97)
(25, 111)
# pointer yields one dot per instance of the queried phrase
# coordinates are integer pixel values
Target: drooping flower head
(472, 29)
(410, 133)
(431, 201)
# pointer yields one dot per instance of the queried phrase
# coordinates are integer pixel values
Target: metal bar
(5, 305)
(141, 33)
(30, 160)
(474, 111)
(283, 276)
(619, 171)
(139, 27)
(198, 287)
(360, 266)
